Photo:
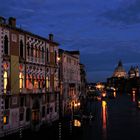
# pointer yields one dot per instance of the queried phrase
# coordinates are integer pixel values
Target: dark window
(6, 45)
(21, 101)
(48, 110)
(48, 98)
(43, 111)
(55, 97)
(42, 53)
(6, 103)
(47, 55)
(32, 51)
(21, 116)
(21, 48)
(55, 107)
(28, 50)
(55, 57)
(27, 114)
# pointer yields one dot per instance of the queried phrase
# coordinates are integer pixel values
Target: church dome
(119, 71)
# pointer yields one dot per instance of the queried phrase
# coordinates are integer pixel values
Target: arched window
(6, 45)
(55, 57)
(47, 55)
(21, 48)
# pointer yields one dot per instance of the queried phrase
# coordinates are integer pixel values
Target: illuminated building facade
(29, 78)
(120, 71)
(70, 78)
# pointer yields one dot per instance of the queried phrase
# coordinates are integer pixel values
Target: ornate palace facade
(29, 78)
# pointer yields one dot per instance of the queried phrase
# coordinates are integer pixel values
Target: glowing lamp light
(58, 58)
(104, 103)
(104, 94)
(77, 123)
(4, 120)
(75, 104)
(134, 91)
(138, 104)
(78, 104)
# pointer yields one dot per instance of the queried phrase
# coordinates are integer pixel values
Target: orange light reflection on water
(134, 97)
(104, 118)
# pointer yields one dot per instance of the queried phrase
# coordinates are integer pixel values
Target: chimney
(51, 37)
(12, 21)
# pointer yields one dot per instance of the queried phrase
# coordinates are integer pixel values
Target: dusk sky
(104, 31)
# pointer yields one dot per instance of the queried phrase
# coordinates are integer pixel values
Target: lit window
(21, 81)
(5, 81)
(5, 120)
(47, 82)
(35, 84)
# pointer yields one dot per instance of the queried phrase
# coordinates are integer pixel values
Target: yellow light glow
(47, 82)
(21, 80)
(78, 104)
(58, 58)
(104, 103)
(5, 76)
(104, 118)
(4, 120)
(104, 94)
(75, 104)
(114, 94)
(77, 123)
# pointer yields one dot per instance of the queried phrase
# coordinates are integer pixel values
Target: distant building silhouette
(119, 70)
(133, 72)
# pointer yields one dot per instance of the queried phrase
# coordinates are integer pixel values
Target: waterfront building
(70, 78)
(83, 80)
(118, 79)
(29, 78)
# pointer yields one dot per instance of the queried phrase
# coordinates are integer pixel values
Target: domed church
(119, 71)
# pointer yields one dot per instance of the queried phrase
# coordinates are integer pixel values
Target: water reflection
(133, 97)
(104, 119)
(114, 94)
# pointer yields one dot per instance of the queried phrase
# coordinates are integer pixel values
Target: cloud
(128, 13)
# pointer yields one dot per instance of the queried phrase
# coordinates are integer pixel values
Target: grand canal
(113, 119)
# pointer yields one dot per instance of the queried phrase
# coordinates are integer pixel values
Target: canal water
(113, 119)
